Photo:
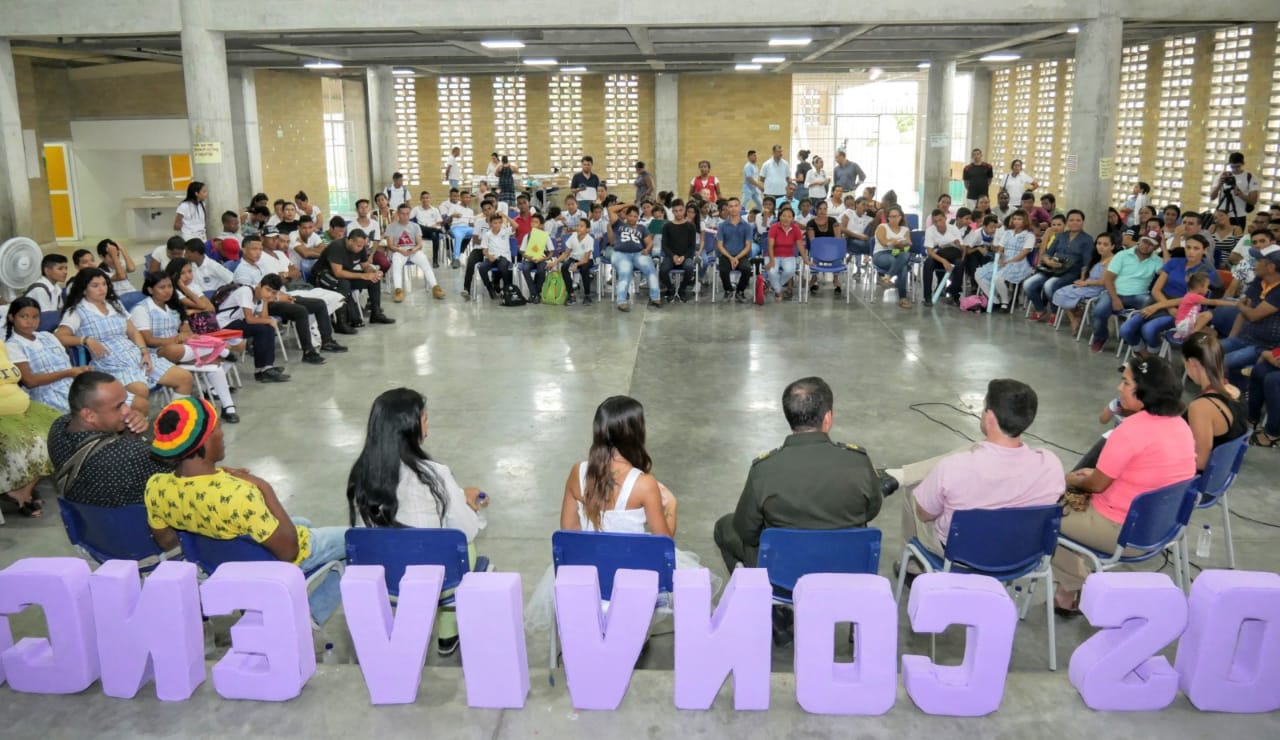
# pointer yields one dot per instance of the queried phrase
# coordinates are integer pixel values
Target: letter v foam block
(495, 659)
(600, 650)
(976, 686)
(1139, 613)
(391, 651)
(66, 662)
(736, 640)
(152, 630)
(271, 655)
(868, 685)
(1229, 657)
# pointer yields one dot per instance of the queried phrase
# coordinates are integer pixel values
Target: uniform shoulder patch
(850, 446)
(765, 455)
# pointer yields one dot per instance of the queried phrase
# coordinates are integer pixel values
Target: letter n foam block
(1140, 613)
(391, 651)
(868, 685)
(976, 686)
(495, 659)
(66, 662)
(737, 639)
(150, 630)
(271, 655)
(600, 650)
(1229, 657)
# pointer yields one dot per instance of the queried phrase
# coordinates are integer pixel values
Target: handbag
(204, 322)
(207, 348)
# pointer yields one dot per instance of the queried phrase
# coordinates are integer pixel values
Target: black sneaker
(271, 375)
(655, 304)
(740, 297)
(587, 301)
(312, 358)
(447, 645)
(381, 318)
(570, 301)
(783, 626)
(493, 294)
(332, 346)
(346, 329)
(230, 417)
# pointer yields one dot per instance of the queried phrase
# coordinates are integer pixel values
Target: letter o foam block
(736, 640)
(976, 686)
(1229, 657)
(391, 651)
(495, 659)
(271, 656)
(1140, 614)
(66, 662)
(149, 630)
(868, 685)
(600, 649)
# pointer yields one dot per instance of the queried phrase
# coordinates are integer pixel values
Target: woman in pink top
(1152, 448)
(786, 239)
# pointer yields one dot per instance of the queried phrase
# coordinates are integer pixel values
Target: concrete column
(666, 131)
(15, 189)
(244, 119)
(938, 120)
(380, 84)
(980, 110)
(204, 70)
(1093, 114)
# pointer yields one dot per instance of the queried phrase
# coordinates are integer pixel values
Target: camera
(1229, 182)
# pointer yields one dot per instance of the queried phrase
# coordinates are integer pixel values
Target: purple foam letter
(1140, 614)
(868, 685)
(66, 662)
(6, 642)
(601, 649)
(271, 655)
(495, 659)
(1229, 657)
(391, 651)
(976, 686)
(735, 640)
(145, 631)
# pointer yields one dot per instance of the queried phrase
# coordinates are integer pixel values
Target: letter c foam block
(600, 649)
(1139, 613)
(271, 656)
(736, 640)
(868, 685)
(391, 651)
(66, 662)
(976, 686)
(495, 659)
(1229, 657)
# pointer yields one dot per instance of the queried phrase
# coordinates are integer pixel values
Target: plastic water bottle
(1205, 542)
(483, 501)
(330, 658)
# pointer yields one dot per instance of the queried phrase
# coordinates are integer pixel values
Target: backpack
(511, 296)
(220, 295)
(976, 303)
(553, 290)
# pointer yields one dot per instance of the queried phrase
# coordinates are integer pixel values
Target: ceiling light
(796, 41)
(402, 72)
(747, 67)
(540, 61)
(768, 60)
(924, 65)
(573, 70)
(501, 44)
(1001, 57)
(1073, 29)
(323, 64)
(875, 73)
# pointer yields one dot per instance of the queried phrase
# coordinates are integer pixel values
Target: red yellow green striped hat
(183, 427)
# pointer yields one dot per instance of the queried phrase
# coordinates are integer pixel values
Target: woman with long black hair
(192, 213)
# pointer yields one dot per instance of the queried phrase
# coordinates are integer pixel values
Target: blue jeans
(894, 267)
(460, 236)
(328, 545)
(1224, 317)
(1264, 388)
(1102, 312)
(1142, 333)
(1040, 288)
(1238, 354)
(784, 268)
(627, 262)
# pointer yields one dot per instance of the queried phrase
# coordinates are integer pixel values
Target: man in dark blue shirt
(585, 184)
(733, 248)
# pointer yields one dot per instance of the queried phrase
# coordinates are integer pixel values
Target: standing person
(631, 254)
(977, 176)
(1134, 204)
(848, 175)
(734, 238)
(506, 181)
(1017, 180)
(404, 241)
(776, 174)
(189, 221)
(1236, 190)
(705, 186)
(816, 181)
(644, 183)
(892, 253)
(752, 185)
(491, 169)
(585, 184)
(679, 252)
(803, 167)
(453, 169)
(786, 241)
(396, 192)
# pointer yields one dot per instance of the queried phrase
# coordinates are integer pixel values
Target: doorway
(62, 201)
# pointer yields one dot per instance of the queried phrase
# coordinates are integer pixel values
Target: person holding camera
(1236, 190)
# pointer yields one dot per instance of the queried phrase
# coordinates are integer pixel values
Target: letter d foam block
(495, 659)
(600, 650)
(868, 685)
(66, 662)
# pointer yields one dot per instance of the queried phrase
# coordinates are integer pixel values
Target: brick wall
(724, 115)
(155, 95)
(291, 103)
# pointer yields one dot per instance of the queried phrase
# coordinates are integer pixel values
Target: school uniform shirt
(295, 241)
(237, 306)
(44, 354)
(161, 256)
(426, 216)
(454, 169)
(571, 218)
(579, 248)
(496, 245)
(858, 224)
(276, 263)
(249, 274)
(193, 218)
(396, 196)
(933, 239)
(210, 275)
(774, 174)
(1017, 184)
(370, 230)
(49, 296)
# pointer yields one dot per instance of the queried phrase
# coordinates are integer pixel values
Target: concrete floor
(511, 394)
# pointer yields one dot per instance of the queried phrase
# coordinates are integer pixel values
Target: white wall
(108, 168)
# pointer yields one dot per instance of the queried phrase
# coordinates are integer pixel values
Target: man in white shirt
(461, 218)
(363, 222)
(431, 223)
(207, 274)
(776, 175)
(304, 206)
(1017, 180)
(396, 192)
(246, 309)
(453, 168)
(495, 243)
(752, 185)
(305, 245)
(944, 251)
(277, 260)
(404, 241)
(159, 257)
(1242, 194)
(299, 310)
(47, 290)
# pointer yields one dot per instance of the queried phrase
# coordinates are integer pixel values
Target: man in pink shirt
(999, 472)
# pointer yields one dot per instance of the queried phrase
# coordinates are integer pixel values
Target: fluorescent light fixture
(768, 60)
(792, 41)
(573, 70)
(1001, 57)
(323, 64)
(1073, 29)
(503, 44)
(402, 72)
(747, 67)
(924, 65)
(540, 61)
(875, 73)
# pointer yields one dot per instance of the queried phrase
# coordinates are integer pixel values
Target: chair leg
(902, 574)
(1049, 616)
(551, 674)
(1226, 530)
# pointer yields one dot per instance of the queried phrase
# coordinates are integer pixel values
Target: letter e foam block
(976, 686)
(1139, 613)
(66, 662)
(600, 649)
(391, 650)
(868, 685)
(736, 640)
(495, 659)
(1229, 657)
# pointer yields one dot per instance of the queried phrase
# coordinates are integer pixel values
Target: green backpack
(553, 291)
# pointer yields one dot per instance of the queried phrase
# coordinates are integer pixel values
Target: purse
(207, 348)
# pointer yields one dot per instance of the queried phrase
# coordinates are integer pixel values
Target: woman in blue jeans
(1144, 330)
(893, 253)
(631, 254)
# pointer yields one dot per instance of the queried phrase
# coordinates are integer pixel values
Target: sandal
(1067, 612)
(1262, 439)
(904, 303)
(33, 508)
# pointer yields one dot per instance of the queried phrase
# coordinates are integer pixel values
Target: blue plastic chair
(231, 265)
(129, 300)
(913, 221)
(1211, 486)
(208, 553)
(1007, 544)
(49, 320)
(397, 548)
(102, 533)
(788, 554)
(829, 254)
(1156, 521)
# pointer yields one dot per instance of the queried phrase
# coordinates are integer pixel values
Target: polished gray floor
(511, 392)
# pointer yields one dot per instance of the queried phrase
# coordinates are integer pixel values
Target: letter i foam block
(495, 659)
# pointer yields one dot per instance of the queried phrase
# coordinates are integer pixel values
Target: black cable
(1255, 521)
(960, 410)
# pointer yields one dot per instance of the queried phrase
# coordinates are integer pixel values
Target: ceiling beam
(306, 51)
(640, 37)
(831, 46)
(1009, 43)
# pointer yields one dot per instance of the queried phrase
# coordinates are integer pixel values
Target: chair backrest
(1156, 517)
(609, 551)
(789, 554)
(1003, 540)
(118, 533)
(129, 300)
(913, 221)
(397, 548)
(1220, 472)
(208, 553)
(830, 249)
(49, 320)
(917, 241)
(231, 266)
